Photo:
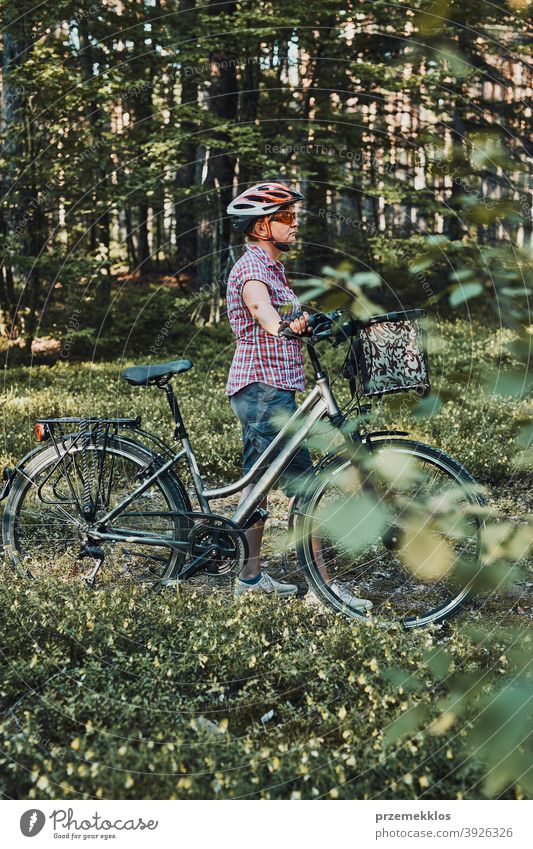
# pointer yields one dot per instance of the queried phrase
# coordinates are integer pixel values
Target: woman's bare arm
(256, 296)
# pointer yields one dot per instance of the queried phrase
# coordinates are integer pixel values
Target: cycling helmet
(258, 201)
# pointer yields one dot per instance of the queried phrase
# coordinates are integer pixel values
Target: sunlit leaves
(354, 523)
(520, 6)
(432, 17)
(419, 264)
(504, 738)
(427, 407)
(503, 542)
(406, 724)
(511, 383)
(425, 552)
(396, 468)
(364, 278)
(442, 724)
(342, 287)
(465, 292)
(439, 661)
(487, 151)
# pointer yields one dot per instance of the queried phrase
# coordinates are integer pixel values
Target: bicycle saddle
(144, 375)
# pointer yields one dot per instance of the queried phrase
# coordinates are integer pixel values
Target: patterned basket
(390, 356)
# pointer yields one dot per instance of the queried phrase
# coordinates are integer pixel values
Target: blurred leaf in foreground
(461, 293)
(356, 522)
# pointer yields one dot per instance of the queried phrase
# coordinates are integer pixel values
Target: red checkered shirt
(259, 354)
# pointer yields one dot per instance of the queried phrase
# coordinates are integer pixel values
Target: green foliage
(464, 293)
(121, 153)
(184, 696)
(166, 697)
(119, 695)
(501, 733)
(458, 365)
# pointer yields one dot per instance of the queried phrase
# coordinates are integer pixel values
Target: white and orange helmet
(259, 200)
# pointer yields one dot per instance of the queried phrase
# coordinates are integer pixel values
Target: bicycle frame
(320, 403)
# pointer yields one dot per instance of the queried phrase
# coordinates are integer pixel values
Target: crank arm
(194, 566)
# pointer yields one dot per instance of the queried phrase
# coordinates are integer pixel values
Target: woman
(267, 370)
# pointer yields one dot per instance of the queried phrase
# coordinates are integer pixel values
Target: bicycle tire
(42, 538)
(391, 603)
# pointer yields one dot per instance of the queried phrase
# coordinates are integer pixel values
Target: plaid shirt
(259, 354)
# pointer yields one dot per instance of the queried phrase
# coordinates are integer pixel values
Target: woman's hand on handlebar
(299, 325)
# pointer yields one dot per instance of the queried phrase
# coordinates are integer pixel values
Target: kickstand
(91, 577)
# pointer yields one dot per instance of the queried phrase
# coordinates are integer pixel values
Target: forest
(126, 129)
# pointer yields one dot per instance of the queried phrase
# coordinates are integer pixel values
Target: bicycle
(104, 490)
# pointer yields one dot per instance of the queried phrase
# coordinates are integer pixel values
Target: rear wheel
(45, 526)
(406, 536)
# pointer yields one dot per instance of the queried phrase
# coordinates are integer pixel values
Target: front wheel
(402, 531)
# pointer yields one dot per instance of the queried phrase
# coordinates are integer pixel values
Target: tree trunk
(218, 184)
(133, 260)
(184, 181)
(317, 107)
(100, 222)
(145, 260)
(15, 45)
(455, 229)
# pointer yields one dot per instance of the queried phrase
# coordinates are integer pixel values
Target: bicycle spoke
(48, 538)
(403, 554)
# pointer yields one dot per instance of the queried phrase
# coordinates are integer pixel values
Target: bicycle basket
(390, 356)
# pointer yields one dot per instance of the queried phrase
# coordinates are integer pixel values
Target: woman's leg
(254, 406)
(254, 538)
(317, 550)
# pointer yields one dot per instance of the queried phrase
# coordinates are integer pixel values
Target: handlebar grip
(318, 326)
(287, 333)
(396, 315)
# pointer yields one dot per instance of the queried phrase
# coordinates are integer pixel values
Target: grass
(117, 695)
(186, 696)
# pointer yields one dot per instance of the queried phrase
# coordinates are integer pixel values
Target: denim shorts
(255, 406)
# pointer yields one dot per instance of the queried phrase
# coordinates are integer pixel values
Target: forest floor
(283, 723)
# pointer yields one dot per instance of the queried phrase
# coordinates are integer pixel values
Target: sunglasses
(284, 217)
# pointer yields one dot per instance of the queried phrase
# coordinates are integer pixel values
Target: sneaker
(344, 595)
(266, 584)
(349, 599)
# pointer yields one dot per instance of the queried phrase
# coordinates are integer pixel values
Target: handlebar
(321, 325)
(395, 315)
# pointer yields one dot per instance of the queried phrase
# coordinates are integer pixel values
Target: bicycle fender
(9, 475)
(367, 440)
(369, 436)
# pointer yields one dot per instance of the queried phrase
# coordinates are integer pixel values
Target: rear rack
(62, 427)
(97, 428)
(70, 434)
(91, 420)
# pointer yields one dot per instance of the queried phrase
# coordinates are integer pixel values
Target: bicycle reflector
(41, 432)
